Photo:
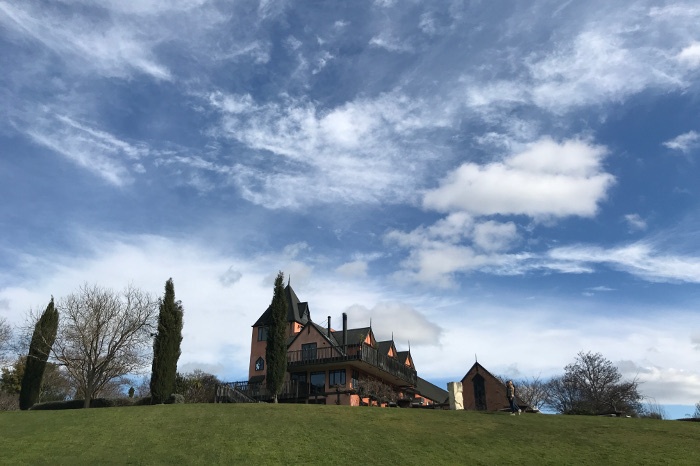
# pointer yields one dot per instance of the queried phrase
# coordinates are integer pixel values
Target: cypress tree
(39, 348)
(276, 350)
(166, 347)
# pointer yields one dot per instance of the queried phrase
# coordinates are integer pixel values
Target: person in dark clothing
(510, 393)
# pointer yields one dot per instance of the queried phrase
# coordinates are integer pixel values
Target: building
(324, 365)
(482, 391)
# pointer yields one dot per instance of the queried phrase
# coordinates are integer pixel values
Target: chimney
(329, 326)
(345, 331)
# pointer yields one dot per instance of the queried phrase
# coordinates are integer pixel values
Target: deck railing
(358, 352)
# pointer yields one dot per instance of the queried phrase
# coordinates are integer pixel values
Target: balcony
(362, 356)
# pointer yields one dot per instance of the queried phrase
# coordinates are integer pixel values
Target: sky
(506, 181)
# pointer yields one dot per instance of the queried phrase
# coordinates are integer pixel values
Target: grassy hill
(263, 433)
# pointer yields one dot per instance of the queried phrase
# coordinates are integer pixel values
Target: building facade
(324, 365)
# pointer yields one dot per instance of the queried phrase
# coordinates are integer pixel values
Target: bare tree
(532, 391)
(5, 341)
(593, 385)
(696, 414)
(103, 336)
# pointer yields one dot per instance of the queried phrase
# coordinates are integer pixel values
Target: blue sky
(512, 180)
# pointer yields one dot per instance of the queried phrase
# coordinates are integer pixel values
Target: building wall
(495, 391)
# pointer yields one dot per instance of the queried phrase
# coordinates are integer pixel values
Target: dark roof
(432, 392)
(384, 346)
(355, 335)
(324, 331)
(403, 356)
(296, 311)
(480, 369)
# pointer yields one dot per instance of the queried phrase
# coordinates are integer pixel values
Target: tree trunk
(86, 402)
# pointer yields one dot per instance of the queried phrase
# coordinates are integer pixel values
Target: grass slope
(263, 433)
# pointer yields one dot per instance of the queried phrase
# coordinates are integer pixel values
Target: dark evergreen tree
(276, 350)
(166, 347)
(39, 348)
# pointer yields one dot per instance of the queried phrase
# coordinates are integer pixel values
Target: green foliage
(175, 399)
(80, 404)
(303, 434)
(166, 347)
(11, 378)
(197, 386)
(39, 349)
(55, 385)
(276, 349)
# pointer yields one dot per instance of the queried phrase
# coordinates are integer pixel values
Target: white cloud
(92, 149)
(230, 277)
(353, 269)
(493, 236)
(638, 259)
(112, 49)
(405, 322)
(347, 154)
(685, 142)
(635, 222)
(690, 55)
(547, 179)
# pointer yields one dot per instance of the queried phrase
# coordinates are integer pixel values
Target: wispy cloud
(346, 154)
(685, 142)
(635, 222)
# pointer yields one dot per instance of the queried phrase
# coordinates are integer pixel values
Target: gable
(312, 333)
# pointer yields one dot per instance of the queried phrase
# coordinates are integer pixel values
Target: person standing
(510, 393)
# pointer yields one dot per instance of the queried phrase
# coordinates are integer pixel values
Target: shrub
(175, 398)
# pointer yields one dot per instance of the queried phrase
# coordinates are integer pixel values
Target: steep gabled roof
(384, 346)
(296, 311)
(481, 370)
(355, 335)
(403, 356)
(323, 331)
(431, 392)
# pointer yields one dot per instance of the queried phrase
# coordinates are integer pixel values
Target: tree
(197, 386)
(166, 347)
(5, 339)
(39, 349)
(593, 385)
(531, 391)
(55, 385)
(696, 414)
(103, 336)
(276, 350)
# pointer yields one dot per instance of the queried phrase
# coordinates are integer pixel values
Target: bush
(9, 401)
(176, 399)
(78, 404)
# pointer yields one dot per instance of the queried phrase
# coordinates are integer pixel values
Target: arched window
(260, 364)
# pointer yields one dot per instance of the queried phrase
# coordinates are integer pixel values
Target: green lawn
(291, 434)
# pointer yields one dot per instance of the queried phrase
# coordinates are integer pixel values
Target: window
(479, 392)
(308, 351)
(299, 385)
(336, 377)
(260, 364)
(318, 383)
(355, 379)
(262, 333)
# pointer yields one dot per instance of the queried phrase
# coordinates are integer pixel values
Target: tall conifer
(166, 347)
(276, 350)
(39, 348)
